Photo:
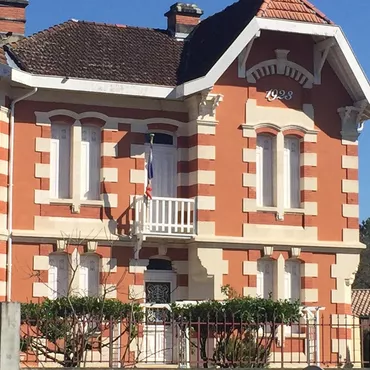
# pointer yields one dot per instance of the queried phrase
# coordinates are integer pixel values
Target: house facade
(255, 114)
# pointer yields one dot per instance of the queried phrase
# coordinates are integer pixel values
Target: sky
(351, 15)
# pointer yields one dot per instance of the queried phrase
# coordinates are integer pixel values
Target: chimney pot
(13, 18)
(182, 19)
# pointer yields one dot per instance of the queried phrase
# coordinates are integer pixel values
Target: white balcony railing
(165, 216)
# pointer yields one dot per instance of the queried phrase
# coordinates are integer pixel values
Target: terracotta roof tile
(361, 302)
(295, 10)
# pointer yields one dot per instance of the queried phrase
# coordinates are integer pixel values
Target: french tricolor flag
(148, 191)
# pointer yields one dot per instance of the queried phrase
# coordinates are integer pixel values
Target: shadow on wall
(201, 284)
(119, 224)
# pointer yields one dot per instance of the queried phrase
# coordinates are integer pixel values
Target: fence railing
(159, 339)
(165, 216)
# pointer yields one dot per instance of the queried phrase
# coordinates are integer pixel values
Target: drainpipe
(10, 192)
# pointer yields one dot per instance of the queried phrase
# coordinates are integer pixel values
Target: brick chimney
(182, 19)
(12, 17)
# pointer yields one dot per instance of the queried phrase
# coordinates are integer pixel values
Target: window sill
(61, 201)
(274, 209)
(294, 210)
(267, 209)
(91, 203)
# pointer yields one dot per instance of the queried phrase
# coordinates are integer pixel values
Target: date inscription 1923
(274, 94)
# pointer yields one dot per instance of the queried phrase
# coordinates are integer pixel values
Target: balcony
(165, 217)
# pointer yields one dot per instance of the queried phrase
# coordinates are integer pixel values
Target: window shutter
(60, 161)
(296, 280)
(287, 281)
(264, 278)
(94, 276)
(52, 278)
(83, 282)
(295, 173)
(90, 163)
(291, 173)
(260, 283)
(264, 171)
(89, 275)
(268, 278)
(58, 276)
(259, 174)
(63, 278)
(287, 175)
(292, 280)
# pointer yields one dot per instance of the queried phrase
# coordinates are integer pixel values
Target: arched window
(89, 275)
(58, 276)
(60, 161)
(265, 170)
(292, 197)
(90, 162)
(292, 280)
(265, 278)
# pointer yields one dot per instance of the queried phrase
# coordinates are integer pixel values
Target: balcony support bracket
(140, 239)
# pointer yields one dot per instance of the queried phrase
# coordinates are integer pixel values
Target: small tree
(63, 330)
(243, 327)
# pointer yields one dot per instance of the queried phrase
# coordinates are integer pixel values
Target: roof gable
(295, 10)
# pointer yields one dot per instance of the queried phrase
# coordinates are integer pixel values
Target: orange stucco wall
(231, 114)
(25, 158)
(24, 275)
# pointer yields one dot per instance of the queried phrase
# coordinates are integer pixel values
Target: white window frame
(265, 171)
(58, 285)
(76, 198)
(292, 191)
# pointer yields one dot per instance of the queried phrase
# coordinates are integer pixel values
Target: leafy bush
(62, 330)
(244, 328)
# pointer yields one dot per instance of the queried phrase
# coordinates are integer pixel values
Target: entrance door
(158, 328)
(164, 183)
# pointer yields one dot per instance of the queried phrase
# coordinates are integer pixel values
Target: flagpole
(148, 191)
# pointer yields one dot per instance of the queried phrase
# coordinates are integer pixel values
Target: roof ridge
(266, 3)
(121, 25)
(317, 11)
(63, 25)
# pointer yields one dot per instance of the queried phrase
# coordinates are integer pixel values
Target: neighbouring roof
(361, 302)
(147, 56)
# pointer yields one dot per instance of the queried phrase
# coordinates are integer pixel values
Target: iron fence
(325, 340)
